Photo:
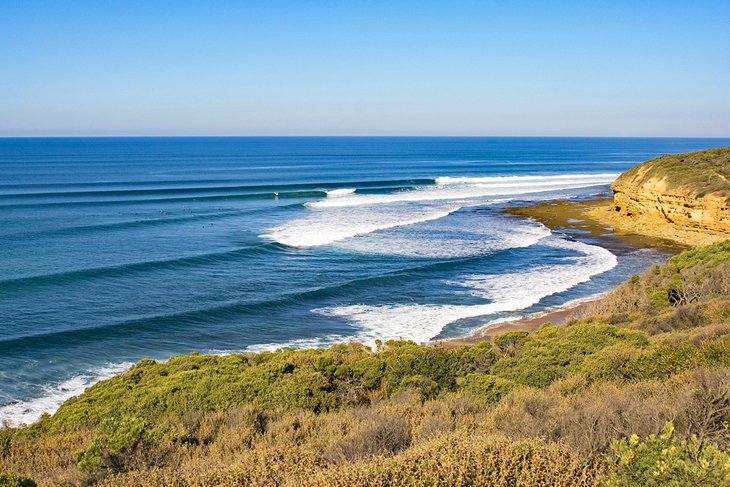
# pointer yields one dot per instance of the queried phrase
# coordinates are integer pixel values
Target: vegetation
(702, 173)
(637, 392)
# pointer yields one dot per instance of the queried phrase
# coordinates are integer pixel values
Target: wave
(134, 267)
(147, 222)
(446, 180)
(353, 214)
(321, 228)
(204, 193)
(299, 343)
(184, 199)
(338, 193)
(254, 188)
(470, 232)
(543, 280)
(171, 322)
(29, 411)
(506, 292)
(449, 188)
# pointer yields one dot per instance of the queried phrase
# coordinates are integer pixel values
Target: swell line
(225, 197)
(268, 188)
(218, 215)
(126, 269)
(205, 315)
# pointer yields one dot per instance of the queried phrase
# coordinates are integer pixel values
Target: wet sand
(571, 216)
(528, 323)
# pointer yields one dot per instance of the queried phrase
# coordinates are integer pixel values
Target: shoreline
(528, 323)
(577, 219)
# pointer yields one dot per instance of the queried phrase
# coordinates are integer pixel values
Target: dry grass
(559, 435)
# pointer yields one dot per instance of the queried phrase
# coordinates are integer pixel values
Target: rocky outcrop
(683, 197)
(653, 202)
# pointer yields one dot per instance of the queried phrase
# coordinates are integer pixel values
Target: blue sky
(653, 68)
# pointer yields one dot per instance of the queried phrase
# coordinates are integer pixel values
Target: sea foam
(455, 188)
(321, 228)
(339, 193)
(345, 213)
(505, 293)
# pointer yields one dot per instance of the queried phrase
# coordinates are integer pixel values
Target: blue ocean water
(115, 249)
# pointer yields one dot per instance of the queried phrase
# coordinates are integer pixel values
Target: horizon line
(87, 136)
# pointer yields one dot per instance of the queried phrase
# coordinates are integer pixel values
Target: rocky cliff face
(690, 191)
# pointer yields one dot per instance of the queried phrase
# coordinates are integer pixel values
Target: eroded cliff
(683, 197)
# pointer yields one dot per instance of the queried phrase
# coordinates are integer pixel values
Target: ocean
(116, 249)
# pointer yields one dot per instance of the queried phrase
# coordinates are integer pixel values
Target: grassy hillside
(635, 393)
(698, 173)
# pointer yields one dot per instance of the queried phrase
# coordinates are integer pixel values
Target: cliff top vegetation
(699, 174)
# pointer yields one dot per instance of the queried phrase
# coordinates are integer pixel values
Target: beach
(528, 323)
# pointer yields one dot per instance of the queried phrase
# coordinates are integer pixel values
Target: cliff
(682, 197)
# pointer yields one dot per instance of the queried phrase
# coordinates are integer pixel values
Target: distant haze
(618, 68)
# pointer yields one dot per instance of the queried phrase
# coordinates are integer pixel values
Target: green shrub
(489, 388)
(659, 298)
(403, 359)
(511, 339)
(710, 254)
(715, 353)
(6, 441)
(662, 361)
(611, 363)
(10, 479)
(115, 438)
(478, 358)
(557, 355)
(422, 385)
(664, 460)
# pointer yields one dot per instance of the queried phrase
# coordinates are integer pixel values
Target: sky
(553, 68)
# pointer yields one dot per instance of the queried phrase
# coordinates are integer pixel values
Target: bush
(461, 460)
(115, 440)
(478, 358)
(663, 460)
(489, 388)
(404, 359)
(422, 385)
(683, 317)
(559, 354)
(379, 435)
(9, 479)
(511, 339)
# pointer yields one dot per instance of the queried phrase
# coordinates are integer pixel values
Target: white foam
(462, 235)
(541, 281)
(506, 292)
(345, 213)
(448, 188)
(29, 411)
(326, 227)
(339, 193)
(608, 177)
